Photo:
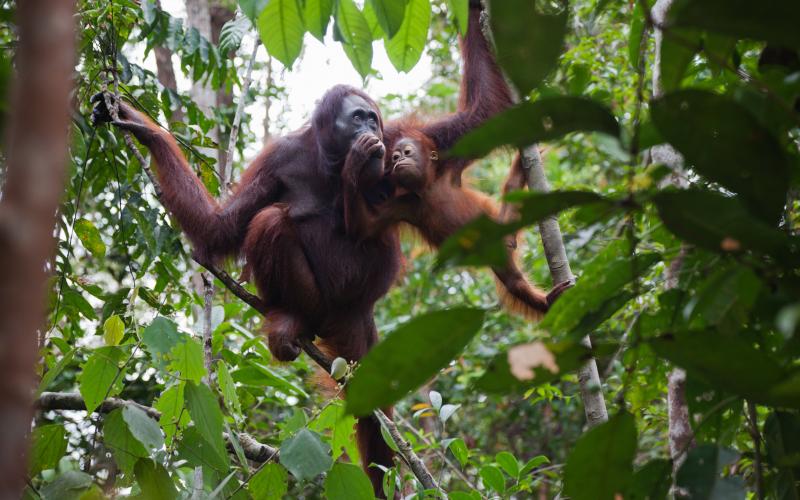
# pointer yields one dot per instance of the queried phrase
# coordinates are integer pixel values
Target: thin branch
(208, 301)
(58, 401)
(237, 118)
(407, 453)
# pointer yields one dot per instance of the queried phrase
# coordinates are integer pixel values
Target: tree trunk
(588, 378)
(37, 157)
(681, 436)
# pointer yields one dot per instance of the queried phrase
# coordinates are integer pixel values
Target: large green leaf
(117, 437)
(602, 279)
(205, 412)
(280, 26)
(722, 224)
(600, 466)
(724, 142)
(733, 364)
(306, 455)
(652, 481)
(48, 445)
(677, 52)
(782, 437)
(724, 299)
(406, 46)
(317, 15)
(269, 483)
(67, 486)
(542, 120)
(391, 14)
(143, 428)
(90, 237)
(635, 35)
(480, 242)
(529, 42)
(187, 358)
(228, 388)
(159, 338)
(101, 376)
(113, 330)
(701, 474)
(356, 36)
(397, 364)
(253, 8)
(459, 9)
(775, 21)
(171, 405)
(55, 371)
(341, 427)
(197, 451)
(154, 481)
(348, 482)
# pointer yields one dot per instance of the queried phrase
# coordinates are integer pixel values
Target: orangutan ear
(434, 155)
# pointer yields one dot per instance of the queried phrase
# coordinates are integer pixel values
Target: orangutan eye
(395, 156)
(408, 150)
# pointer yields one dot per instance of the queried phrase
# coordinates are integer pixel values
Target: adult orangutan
(286, 218)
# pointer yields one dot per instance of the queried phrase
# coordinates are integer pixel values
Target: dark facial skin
(408, 164)
(356, 117)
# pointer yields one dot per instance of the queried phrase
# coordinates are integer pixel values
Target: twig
(208, 298)
(237, 118)
(407, 453)
(55, 401)
(757, 465)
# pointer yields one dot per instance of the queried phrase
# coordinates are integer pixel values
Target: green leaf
(636, 33)
(676, 56)
(701, 474)
(232, 33)
(253, 8)
(117, 437)
(508, 463)
(317, 14)
(170, 404)
(406, 46)
(459, 450)
(719, 360)
(55, 371)
(459, 9)
(603, 277)
(601, 464)
(258, 375)
(391, 14)
(722, 224)
(724, 299)
(228, 388)
(543, 120)
(782, 436)
(270, 483)
(113, 330)
(652, 481)
(306, 455)
(481, 241)
(143, 428)
(356, 36)
(67, 486)
(48, 445)
(348, 482)
(397, 364)
(493, 478)
(528, 41)
(101, 376)
(280, 26)
(341, 426)
(372, 21)
(725, 143)
(188, 360)
(90, 237)
(774, 22)
(154, 481)
(159, 338)
(206, 415)
(198, 452)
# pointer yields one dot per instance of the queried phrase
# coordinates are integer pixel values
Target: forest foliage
(692, 266)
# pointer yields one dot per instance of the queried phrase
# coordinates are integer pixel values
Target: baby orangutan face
(411, 164)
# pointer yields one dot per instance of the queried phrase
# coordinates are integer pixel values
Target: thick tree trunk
(588, 378)
(37, 157)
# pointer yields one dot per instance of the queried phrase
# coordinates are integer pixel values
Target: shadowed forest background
(669, 134)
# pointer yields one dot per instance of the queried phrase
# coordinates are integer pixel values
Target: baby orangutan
(429, 198)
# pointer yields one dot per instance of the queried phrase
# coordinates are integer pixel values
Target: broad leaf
(356, 36)
(391, 14)
(269, 483)
(406, 46)
(143, 428)
(228, 388)
(459, 9)
(676, 56)
(154, 481)
(187, 359)
(306, 455)
(280, 26)
(600, 466)
(726, 144)
(508, 463)
(341, 427)
(722, 224)
(493, 478)
(171, 405)
(528, 41)
(775, 21)
(117, 437)
(317, 15)
(101, 376)
(543, 120)
(252, 8)
(232, 33)
(194, 448)
(206, 415)
(159, 338)
(637, 32)
(652, 481)
(48, 445)
(397, 364)
(90, 237)
(701, 474)
(348, 482)
(67, 486)
(113, 330)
